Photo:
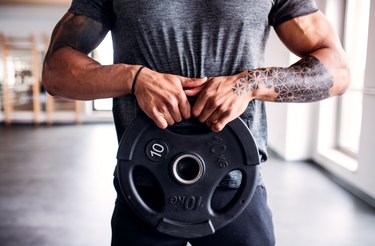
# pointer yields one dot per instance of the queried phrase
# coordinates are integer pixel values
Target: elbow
(343, 79)
(48, 82)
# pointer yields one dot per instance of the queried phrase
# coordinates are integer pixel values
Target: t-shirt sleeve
(284, 10)
(99, 10)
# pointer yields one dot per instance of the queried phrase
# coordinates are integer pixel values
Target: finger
(221, 123)
(194, 91)
(161, 117)
(173, 110)
(212, 105)
(167, 117)
(199, 105)
(193, 82)
(160, 121)
(215, 116)
(185, 108)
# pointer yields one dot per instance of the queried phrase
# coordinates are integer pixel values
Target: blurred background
(57, 156)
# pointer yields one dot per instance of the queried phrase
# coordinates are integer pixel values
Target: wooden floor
(56, 190)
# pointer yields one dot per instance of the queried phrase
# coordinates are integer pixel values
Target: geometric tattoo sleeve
(305, 81)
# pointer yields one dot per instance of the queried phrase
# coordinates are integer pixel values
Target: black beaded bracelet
(135, 78)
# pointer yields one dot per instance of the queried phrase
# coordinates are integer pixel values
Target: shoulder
(284, 10)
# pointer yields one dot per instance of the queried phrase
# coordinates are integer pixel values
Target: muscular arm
(70, 73)
(322, 72)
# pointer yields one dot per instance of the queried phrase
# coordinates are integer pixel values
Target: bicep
(314, 35)
(77, 32)
(308, 34)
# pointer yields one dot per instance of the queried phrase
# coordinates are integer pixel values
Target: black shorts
(253, 227)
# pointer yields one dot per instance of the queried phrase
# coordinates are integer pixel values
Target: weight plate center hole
(188, 169)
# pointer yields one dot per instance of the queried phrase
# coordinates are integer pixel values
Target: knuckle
(172, 103)
(152, 113)
(180, 97)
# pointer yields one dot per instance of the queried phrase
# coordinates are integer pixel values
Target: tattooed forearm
(305, 81)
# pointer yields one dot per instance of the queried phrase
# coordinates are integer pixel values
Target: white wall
(291, 127)
(19, 20)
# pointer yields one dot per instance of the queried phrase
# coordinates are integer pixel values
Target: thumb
(193, 82)
(191, 92)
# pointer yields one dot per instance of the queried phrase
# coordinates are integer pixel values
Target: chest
(192, 13)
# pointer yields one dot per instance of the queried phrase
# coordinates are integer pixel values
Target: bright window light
(350, 105)
(104, 55)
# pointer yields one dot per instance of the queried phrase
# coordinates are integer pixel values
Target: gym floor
(56, 189)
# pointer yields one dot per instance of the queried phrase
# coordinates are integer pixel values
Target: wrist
(135, 77)
(243, 85)
(252, 81)
(256, 84)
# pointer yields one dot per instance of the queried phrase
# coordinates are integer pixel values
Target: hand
(219, 103)
(161, 96)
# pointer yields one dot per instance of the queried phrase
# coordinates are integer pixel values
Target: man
(165, 51)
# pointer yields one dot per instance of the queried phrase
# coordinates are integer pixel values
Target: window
(104, 55)
(340, 118)
(350, 104)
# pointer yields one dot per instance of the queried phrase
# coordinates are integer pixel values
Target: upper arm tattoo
(76, 31)
(305, 81)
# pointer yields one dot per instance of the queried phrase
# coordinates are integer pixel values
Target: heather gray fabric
(193, 38)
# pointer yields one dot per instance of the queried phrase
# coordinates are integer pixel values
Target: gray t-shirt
(193, 38)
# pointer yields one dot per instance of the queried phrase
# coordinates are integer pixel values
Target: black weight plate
(187, 210)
